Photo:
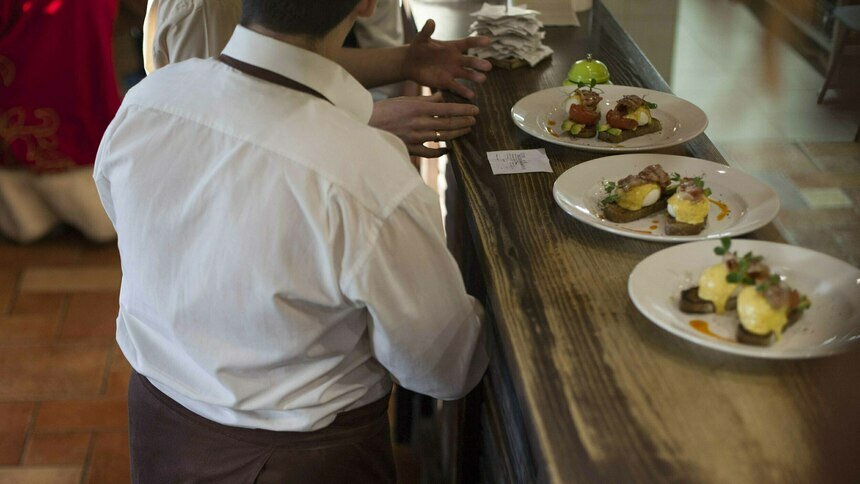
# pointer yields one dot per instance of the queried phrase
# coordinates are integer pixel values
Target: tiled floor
(63, 381)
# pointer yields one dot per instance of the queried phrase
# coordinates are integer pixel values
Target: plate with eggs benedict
(665, 198)
(753, 298)
(609, 118)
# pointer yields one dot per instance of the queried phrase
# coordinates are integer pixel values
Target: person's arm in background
(419, 119)
(429, 62)
(424, 328)
(176, 31)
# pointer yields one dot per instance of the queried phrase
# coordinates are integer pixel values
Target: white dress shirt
(281, 259)
(176, 30)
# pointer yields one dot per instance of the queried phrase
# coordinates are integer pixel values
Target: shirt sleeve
(424, 328)
(192, 30)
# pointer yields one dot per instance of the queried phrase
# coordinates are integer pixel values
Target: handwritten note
(519, 161)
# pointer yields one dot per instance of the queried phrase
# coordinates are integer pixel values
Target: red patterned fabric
(58, 89)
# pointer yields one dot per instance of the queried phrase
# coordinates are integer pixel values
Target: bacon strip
(651, 174)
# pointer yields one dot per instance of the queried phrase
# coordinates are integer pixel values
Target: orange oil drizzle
(551, 131)
(653, 227)
(724, 209)
(550, 123)
(702, 326)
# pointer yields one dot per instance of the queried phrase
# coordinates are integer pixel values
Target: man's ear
(365, 8)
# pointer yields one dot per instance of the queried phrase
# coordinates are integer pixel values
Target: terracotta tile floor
(63, 414)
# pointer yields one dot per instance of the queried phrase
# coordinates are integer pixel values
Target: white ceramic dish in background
(830, 326)
(541, 111)
(753, 204)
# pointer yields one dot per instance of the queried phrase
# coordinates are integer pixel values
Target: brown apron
(171, 444)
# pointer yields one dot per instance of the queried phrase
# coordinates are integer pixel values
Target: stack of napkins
(516, 34)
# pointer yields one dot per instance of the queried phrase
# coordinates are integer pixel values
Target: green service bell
(584, 70)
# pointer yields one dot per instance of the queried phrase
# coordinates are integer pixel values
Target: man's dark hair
(296, 17)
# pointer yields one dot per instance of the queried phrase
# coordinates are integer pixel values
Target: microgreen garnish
(724, 248)
(609, 187)
(651, 105)
(699, 181)
(804, 304)
(590, 84)
(772, 280)
(741, 274)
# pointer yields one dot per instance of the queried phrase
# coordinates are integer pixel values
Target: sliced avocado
(602, 127)
(576, 128)
(614, 131)
(566, 125)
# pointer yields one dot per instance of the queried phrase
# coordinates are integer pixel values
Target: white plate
(831, 325)
(752, 203)
(542, 111)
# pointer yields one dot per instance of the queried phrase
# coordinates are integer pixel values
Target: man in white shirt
(282, 262)
(176, 30)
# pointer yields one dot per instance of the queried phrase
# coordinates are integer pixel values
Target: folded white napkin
(516, 32)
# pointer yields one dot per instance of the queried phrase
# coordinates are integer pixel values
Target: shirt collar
(303, 66)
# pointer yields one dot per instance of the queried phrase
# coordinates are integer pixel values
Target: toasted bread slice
(692, 303)
(673, 227)
(586, 132)
(653, 127)
(614, 213)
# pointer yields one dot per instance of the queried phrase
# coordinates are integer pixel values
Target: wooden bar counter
(582, 387)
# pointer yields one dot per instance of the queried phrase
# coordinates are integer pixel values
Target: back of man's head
(296, 17)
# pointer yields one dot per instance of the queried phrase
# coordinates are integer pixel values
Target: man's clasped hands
(437, 64)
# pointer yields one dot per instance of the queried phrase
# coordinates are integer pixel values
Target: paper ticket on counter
(519, 161)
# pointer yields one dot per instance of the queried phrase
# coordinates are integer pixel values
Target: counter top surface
(605, 394)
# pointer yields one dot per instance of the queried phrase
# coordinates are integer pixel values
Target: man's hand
(417, 119)
(440, 63)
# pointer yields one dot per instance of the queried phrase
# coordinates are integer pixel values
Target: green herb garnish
(609, 187)
(772, 280)
(651, 105)
(741, 274)
(699, 181)
(724, 248)
(590, 84)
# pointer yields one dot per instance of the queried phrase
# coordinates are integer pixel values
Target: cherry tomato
(581, 115)
(616, 120)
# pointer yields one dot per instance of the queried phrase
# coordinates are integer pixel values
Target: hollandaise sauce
(688, 211)
(714, 287)
(638, 197)
(758, 316)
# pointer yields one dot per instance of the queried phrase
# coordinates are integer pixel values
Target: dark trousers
(170, 444)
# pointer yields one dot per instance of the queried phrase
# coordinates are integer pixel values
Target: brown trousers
(170, 444)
